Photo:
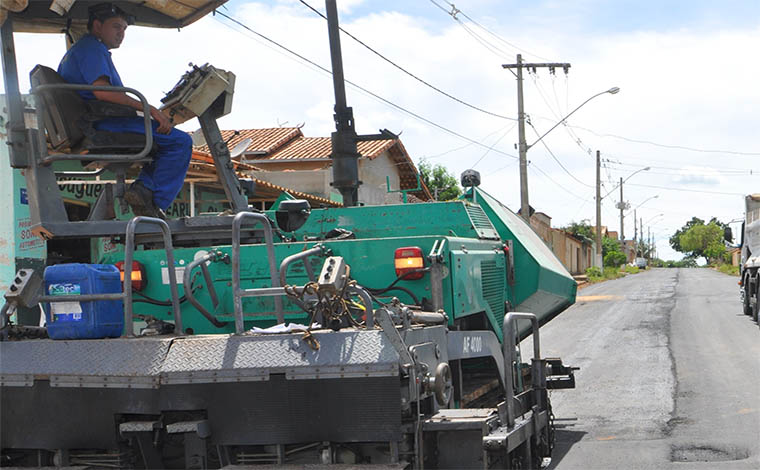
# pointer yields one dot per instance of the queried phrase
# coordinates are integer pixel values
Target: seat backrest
(62, 109)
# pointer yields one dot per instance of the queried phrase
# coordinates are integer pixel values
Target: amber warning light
(138, 274)
(409, 263)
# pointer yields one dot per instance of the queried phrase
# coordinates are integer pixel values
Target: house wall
(316, 182)
(372, 173)
(302, 177)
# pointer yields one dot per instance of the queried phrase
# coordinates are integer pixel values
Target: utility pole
(621, 206)
(522, 145)
(635, 236)
(598, 210)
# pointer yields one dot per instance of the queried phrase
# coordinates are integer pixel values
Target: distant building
(576, 254)
(285, 157)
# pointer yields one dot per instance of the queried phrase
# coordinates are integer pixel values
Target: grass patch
(594, 274)
(632, 269)
(729, 269)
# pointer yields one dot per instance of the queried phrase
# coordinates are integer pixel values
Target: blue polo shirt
(86, 61)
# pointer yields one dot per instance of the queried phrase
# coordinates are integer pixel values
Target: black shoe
(140, 199)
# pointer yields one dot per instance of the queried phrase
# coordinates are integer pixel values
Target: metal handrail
(128, 254)
(239, 293)
(509, 342)
(187, 284)
(367, 299)
(304, 255)
(126, 294)
(39, 89)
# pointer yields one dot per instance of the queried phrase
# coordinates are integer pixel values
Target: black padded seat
(69, 121)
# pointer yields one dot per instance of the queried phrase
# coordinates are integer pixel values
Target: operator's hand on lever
(165, 124)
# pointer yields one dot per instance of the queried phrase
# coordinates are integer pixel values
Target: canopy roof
(51, 16)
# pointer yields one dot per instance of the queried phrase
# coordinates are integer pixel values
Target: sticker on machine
(179, 271)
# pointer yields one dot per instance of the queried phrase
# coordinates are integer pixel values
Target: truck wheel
(756, 308)
(746, 307)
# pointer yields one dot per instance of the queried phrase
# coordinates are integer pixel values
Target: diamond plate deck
(117, 362)
(152, 361)
(253, 357)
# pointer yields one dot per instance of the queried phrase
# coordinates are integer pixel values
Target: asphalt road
(670, 374)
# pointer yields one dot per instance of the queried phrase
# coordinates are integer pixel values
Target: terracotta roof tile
(263, 141)
(289, 144)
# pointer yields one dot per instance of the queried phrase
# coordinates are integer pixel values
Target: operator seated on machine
(88, 62)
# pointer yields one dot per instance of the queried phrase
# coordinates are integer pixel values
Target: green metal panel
(542, 284)
(477, 279)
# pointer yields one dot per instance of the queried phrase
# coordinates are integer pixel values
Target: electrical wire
(494, 145)
(402, 69)
(686, 190)
(374, 95)
(557, 159)
(667, 146)
(454, 11)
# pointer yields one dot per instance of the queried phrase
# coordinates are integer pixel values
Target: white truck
(749, 274)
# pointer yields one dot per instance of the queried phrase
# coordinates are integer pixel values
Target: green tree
(438, 180)
(580, 229)
(612, 254)
(675, 240)
(704, 240)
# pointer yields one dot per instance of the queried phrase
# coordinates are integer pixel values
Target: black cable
(164, 303)
(415, 299)
(410, 73)
(374, 95)
(557, 159)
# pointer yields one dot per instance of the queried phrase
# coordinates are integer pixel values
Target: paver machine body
(380, 335)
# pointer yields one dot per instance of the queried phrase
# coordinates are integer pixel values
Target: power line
(463, 146)
(494, 145)
(455, 11)
(667, 146)
(557, 184)
(557, 159)
(374, 95)
(433, 87)
(685, 190)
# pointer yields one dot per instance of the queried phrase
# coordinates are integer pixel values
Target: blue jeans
(165, 175)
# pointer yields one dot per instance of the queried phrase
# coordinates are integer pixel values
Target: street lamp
(621, 205)
(645, 201)
(524, 147)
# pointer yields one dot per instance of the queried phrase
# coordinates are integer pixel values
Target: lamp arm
(565, 118)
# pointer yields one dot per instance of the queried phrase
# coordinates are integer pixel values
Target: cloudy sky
(687, 108)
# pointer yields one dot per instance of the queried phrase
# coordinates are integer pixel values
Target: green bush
(611, 272)
(594, 274)
(614, 259)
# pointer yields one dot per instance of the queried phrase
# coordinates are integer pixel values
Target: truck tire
(746, 306)
(756, 308)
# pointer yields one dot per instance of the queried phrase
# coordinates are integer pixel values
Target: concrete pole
(598, 211)
(635, 235)
(622, 206)
(523, 146)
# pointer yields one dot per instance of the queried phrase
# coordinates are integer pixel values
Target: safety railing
(126, 294)
(304, 255)
(239, 293)
(538, 378)
(187, 283)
